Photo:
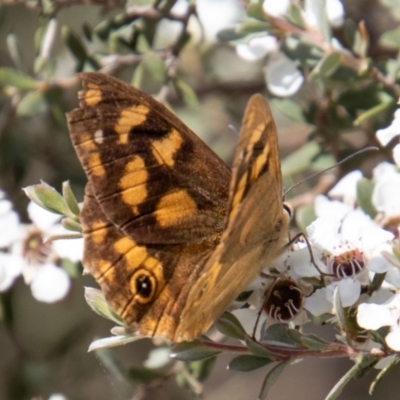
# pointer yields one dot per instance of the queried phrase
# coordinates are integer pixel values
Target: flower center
(284, 300)
(347, 264)
(34, 249)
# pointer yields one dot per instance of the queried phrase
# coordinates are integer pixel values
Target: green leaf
(33, 104)
(289, 108)
(192, 351)
(14, 51)
(341, 315)
(74, 44)
(365, 188)
(313, 342)
(279, 333)
(71, 225)
(247, 362)
(377, 281)
(48, 198)
(186, 93)
(112, 341)
(271, 378)
(201, 370)
(381, 374)
(230, 34)
(11, 77)
(255, 10)
(295, 15)
(386, 102)
(70, 198)
(391, 38)
(155, 65)
(230, 326)
(257, 349)
(326, 66)
(97, 302)
(361, 363)
(138, 74)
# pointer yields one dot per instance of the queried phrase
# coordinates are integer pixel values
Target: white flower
(58, 396)
(50, 284)
(9, 222)
(386, 194)
(282, 76)
(321, 301)
(374, 316)
(333, 8)
(257, 48)
(49, 224)
(326, 208)
(350, 243)
(335, 12)
(10, 269)
(217, 15)
(385, 135)
(357, 231)
(276, 8)
(35, 258)
(10, 265)
(346, 188)
(396, 154)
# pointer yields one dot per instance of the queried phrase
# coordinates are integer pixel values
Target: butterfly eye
(288, 208)
(144, 286)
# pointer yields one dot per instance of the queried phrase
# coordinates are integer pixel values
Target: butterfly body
(172, 235)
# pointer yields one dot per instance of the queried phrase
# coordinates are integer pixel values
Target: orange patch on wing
(92, 97)
(173, 207)
(95, 166)
(165, 149)
(103, 271)
(129, 118)
(238, 196)
(259, 163)
(133, 183)
(98, 232)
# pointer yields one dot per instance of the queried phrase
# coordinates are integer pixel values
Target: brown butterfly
(172, 235)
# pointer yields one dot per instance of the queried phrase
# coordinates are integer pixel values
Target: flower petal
(373, 316)
(282, 76)
(50, 284)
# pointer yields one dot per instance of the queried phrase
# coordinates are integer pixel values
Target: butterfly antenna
(370, 148)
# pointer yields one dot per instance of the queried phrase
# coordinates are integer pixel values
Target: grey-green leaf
(192, 351)
(365, 188)
(230, 326)
(271, 378)
(247, 362)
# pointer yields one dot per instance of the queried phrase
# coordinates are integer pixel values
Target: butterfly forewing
(257, 226)
(152, 176)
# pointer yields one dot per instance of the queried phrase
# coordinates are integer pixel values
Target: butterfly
(172, 234)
